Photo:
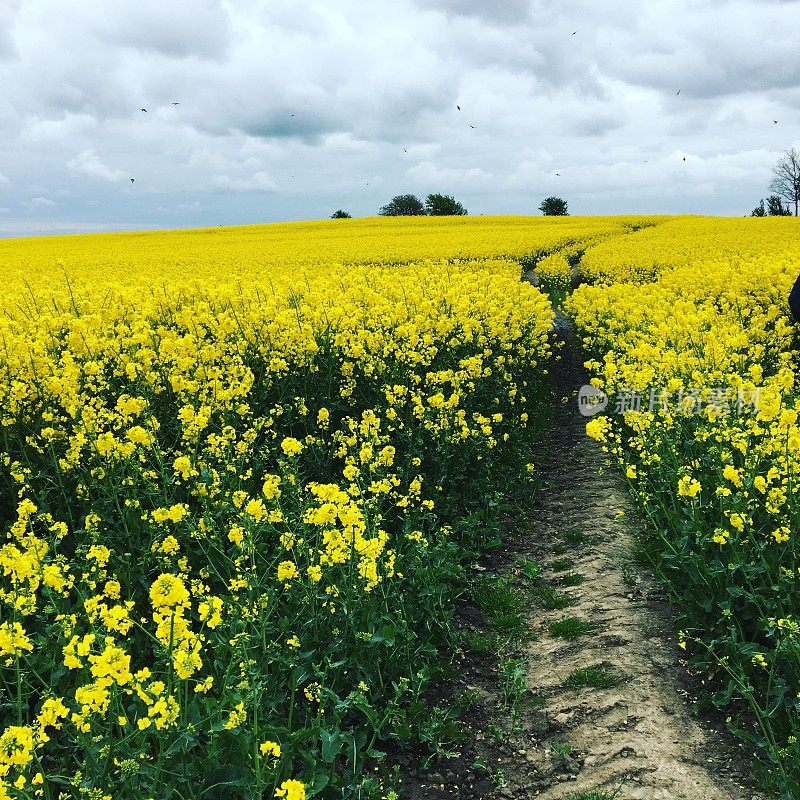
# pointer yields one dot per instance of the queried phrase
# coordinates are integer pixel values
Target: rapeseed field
(240, 467)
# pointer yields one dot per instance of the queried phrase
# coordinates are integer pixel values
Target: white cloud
(68, 127)
(444, 179)
(39, 202)
(87, 163)
(423, 152)
(259, 182)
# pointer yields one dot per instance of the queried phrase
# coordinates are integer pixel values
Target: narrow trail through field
(587, 699)
(613, 690)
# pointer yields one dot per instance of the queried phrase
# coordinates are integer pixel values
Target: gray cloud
(505, 13)
(200, 28)
(8, 12)
(710, 49)
(292, 108)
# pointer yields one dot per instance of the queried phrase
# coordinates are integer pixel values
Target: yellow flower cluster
(708, 350)
(555, 273)
(658, 245)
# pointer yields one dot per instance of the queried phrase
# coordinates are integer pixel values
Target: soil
(636, 739)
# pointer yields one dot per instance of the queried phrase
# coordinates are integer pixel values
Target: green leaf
(218, 780)
(321, 779)
(193, 713)
(331, 745)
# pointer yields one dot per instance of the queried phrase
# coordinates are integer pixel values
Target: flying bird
(175, 104)
(677, 93)
(144, 109)
(684, 158)
(775, 121)
(291, 115)
(558, 174)
(472, 126)
(404, 150)
(131, 180)
(574, 32)
(458, 107)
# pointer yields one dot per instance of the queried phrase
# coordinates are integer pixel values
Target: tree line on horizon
(785, 186)
(444, 205)
(409, 205)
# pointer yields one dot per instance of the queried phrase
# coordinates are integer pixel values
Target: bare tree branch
(786, 178)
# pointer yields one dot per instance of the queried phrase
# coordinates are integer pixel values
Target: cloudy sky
(290, 109)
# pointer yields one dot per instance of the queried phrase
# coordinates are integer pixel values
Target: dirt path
(605, 714)
(630, 729)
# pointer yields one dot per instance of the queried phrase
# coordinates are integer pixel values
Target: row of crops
(687, 332)
(239, 469)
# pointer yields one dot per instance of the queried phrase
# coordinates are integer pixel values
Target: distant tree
(554, 207)
(786, 177)
(403, 205)
(776, 208)
(759, 210)
(443, 205)
(339, 214)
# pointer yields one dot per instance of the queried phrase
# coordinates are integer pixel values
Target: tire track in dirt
(635, 736)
